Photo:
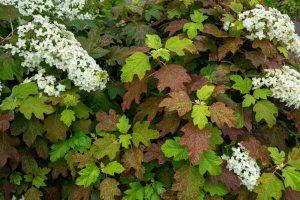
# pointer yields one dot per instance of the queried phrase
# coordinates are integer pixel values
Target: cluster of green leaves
(180, 97)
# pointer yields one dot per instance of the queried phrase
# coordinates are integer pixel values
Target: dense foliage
(157, 99)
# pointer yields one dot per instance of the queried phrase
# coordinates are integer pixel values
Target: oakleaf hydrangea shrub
(146, 100)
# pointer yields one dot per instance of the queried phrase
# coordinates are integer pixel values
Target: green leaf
(138, 63)
(142, 134)
(80, 141)
(59, 150)
(248, 100)
(216, 137)
(8, 104)
(153, 41)
(8, 12)
(277, 157)
(106, 146)
(210, 162)
(262, 93)
(15, 178)
(243, 85)
(10, 67)
(123, 124)
(265, 110)
(270, 186)
(35, 105)
(236, 7)
(24, 90)
(153, 191)
(198, 17)
(220, 189)
(173, 148)
(88, 175)
(155, 11)
(284, 51)
(177, 45)
(136, 192)
(40, 178)
(205, 92)
(291, 178)
(112, 168)
(294, 158)
(192, 29)
(164, 53)
(200, 114)
(67, 116)
(125, 140)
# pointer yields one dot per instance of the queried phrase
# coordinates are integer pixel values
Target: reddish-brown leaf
(59, 167)
(81, 160)
(196, 83)
(229, 45)
(172, 76)
(41, 147)
(107, 122)
(81, 193)
(229, 178)
(169, 124)
(268, 49)
(290, 194)
(5, 118)
(220, 89)
(134, 90)
(109, 189)
(132, 159)
(154, 153)
(148, 109)
(175, 26)
(257, 150)
(7, 148)
(214, 30)
(33, 194)
(222, 115)
(52, 193)
(196, 140)
(204, 43)
(7, 189)
(179, 102)
(188, 183)
(295, 116)
(233, 133)
(55, 128)
(275, 63)
(257, 58)
(274, 136)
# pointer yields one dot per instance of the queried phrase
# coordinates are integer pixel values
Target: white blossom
(1, 87)
(47, 83)
(284, 84)
(270, 24)
(71, 9)
(41, 41)
(244, 166)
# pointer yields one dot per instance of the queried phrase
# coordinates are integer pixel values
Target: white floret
(244, 166)
(284, 84)
(71, 9)
(41, 41)
(270, 24)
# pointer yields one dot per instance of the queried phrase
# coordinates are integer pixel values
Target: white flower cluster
(244, 166)
(270, 24)
(41, 41)
(15, 198)
(1, 87)
(284, 84)
(47, 83)
(71, 9)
